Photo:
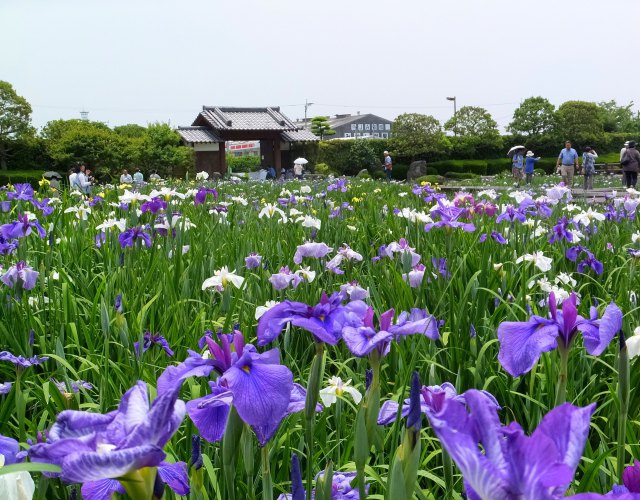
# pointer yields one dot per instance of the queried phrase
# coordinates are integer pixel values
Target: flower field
(329, 339)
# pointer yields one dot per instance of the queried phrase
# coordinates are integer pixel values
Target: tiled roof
(224, 118)
(301, 135)
(198, 134)
(345, 120)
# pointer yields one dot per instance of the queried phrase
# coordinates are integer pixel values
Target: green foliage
(361, 155)
(580, 121)
(131, 131)
(15, 176)
(616, 118)
(161, 150)
(473, 121)
(477, 167)
(323, 169)
(399, 172)
(15, 120)
(534, 117)
(246, 163)
(430, 179)
(460, 175)
(363, 174)
(414, 135)
(320, 126)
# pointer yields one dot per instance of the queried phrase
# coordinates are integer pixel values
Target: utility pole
(455, 121)
(307, 104)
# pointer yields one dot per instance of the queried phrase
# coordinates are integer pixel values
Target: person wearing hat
(622, 152)
(388, 165)
(589, 166)
(631, 164)
(530, 165)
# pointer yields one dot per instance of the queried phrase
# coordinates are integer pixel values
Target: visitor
(567, 164)
(90, 180)
(126, 178)
(297, 170)
(271, 173)
(631, 164)
(73, 177)
(589, 166)
(388, 165)
(154, 177)
(517, 167)
(82, 182)
(622, 152)
(138, 178)
(530, 165)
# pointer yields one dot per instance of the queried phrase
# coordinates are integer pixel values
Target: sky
(142, 61)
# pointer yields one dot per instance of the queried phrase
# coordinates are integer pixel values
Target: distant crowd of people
(82, 179)
(568, 165)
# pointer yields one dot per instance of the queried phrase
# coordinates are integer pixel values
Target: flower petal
(102, 489)
(175, 476)
(522, 343)
(209, 415)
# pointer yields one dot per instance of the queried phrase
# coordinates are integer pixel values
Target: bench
(608, 168)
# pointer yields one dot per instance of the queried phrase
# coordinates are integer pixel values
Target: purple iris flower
(560, 231)
(508, 464)
(91, 446)
(361, 340)
(10, 449)
(7, 247)
(117, 304)
(353, 291)
(497, 237)
(43, 206)
(415, 276)
(631, 477)
(512, 214)
(20, 273)
(129, 237)
(523, 342)
(257, 385)
(22, 192)
(633, 252)
(154, 205)
(100, 239)
(253, 260)
(202, 193)
(75, 386)
(22, 228)
(5, 206)
(483, 238)
(450, 217)
(174, 475)
(402, 247)
(440, 265)
(151, 339)
(284, 278)
(325, 320)
(433, 400)
(485, 207)
(592, 262)
(5, 388)
(21, 361)
(96, 200)
(573, 252)
(311, 249)
(341, 484)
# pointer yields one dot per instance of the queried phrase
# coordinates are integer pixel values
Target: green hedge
(244, 163)
(17, 176)
(460, 175)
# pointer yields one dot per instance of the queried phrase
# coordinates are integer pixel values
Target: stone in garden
(215, 176)
(417, 169)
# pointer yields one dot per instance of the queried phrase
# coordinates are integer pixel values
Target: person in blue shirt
(567, 164)
(589, 166)
(530, 165)
(517, 166)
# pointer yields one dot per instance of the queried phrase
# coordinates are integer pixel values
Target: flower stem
(623, 397)
(139, 484)
(448, 473)
(313, 393)
(267, 484)
(561, 395)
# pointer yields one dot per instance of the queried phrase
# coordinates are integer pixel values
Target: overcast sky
(140, 61)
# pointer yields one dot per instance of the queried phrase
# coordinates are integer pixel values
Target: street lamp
(455, 122)
(307, 104)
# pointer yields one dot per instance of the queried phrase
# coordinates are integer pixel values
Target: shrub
(323, 169)
(539, 172)
(432, 170)
(378, 175)
(478, 167)
(16, 176)
(399, 171)
(460, 175)
(244, 163)
(363, 174)
(431, 179)
(498, 166)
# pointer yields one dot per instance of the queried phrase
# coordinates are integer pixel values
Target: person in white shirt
(126, 178)
(297, 170)
(73, 176)
(138, 178)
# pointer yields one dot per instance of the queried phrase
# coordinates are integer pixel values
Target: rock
(417, 169)
(215, 176)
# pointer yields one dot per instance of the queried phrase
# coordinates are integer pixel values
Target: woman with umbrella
(298, 167)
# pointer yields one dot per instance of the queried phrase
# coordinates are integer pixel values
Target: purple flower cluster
(588, 261)
(151, 339)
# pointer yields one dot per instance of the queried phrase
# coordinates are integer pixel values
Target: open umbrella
(51, 174)
(516, 149)
(300, 161)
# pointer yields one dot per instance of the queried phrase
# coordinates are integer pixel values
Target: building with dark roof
(215, 125)
(358, 126)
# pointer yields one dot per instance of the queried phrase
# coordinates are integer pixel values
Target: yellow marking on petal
(246, 369)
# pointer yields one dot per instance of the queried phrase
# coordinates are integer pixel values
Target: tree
(320, 126)
(413, 134)
(131, 130)
(361, 155)
(535, 116)
(15, 120)
(161, 150)
(616, 118)
(473, 121)
(580, 121)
